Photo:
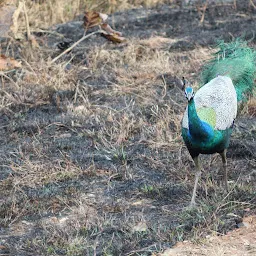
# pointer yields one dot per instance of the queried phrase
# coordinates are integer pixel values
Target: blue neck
(198, 129)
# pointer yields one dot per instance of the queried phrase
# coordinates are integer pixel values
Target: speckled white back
(220, 95)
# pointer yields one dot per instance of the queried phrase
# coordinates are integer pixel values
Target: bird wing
(216, 103)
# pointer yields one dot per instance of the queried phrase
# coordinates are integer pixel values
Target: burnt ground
(92, 161)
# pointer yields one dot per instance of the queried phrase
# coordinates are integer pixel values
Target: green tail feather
(236, 60)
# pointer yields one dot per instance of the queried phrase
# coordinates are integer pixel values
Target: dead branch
(75, 44)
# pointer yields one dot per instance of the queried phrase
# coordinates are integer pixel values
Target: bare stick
(253, 5)
(204, 10)
(27, 21)
(235, 7)
(75, 44)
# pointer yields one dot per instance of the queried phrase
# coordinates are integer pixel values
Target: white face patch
(219, 94)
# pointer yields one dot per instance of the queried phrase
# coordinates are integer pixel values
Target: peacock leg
(224, 162)
(197, 176)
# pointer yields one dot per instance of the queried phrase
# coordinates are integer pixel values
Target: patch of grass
(43, 14)
(217, 215)
(90, 152)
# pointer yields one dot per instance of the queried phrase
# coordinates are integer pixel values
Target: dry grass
(45, 13)
(92, 160)
(57, 154)
(252, 107)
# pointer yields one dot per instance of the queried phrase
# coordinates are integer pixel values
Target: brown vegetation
(92, 160)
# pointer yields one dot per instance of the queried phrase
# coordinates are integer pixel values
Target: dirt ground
(239, 242)
(92, 160)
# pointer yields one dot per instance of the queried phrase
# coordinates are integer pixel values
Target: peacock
(228, 80)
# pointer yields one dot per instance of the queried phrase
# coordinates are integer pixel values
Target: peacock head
(189, 93)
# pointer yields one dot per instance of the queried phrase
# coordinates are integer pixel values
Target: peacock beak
(190, 96)
(189, 93)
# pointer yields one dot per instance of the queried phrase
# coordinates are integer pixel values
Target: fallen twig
(27, 20)
(204, 10)
(75, 44)
(252, 4)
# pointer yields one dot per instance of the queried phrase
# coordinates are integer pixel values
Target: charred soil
(92, 160)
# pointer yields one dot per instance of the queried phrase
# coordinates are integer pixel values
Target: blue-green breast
(216, 144)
